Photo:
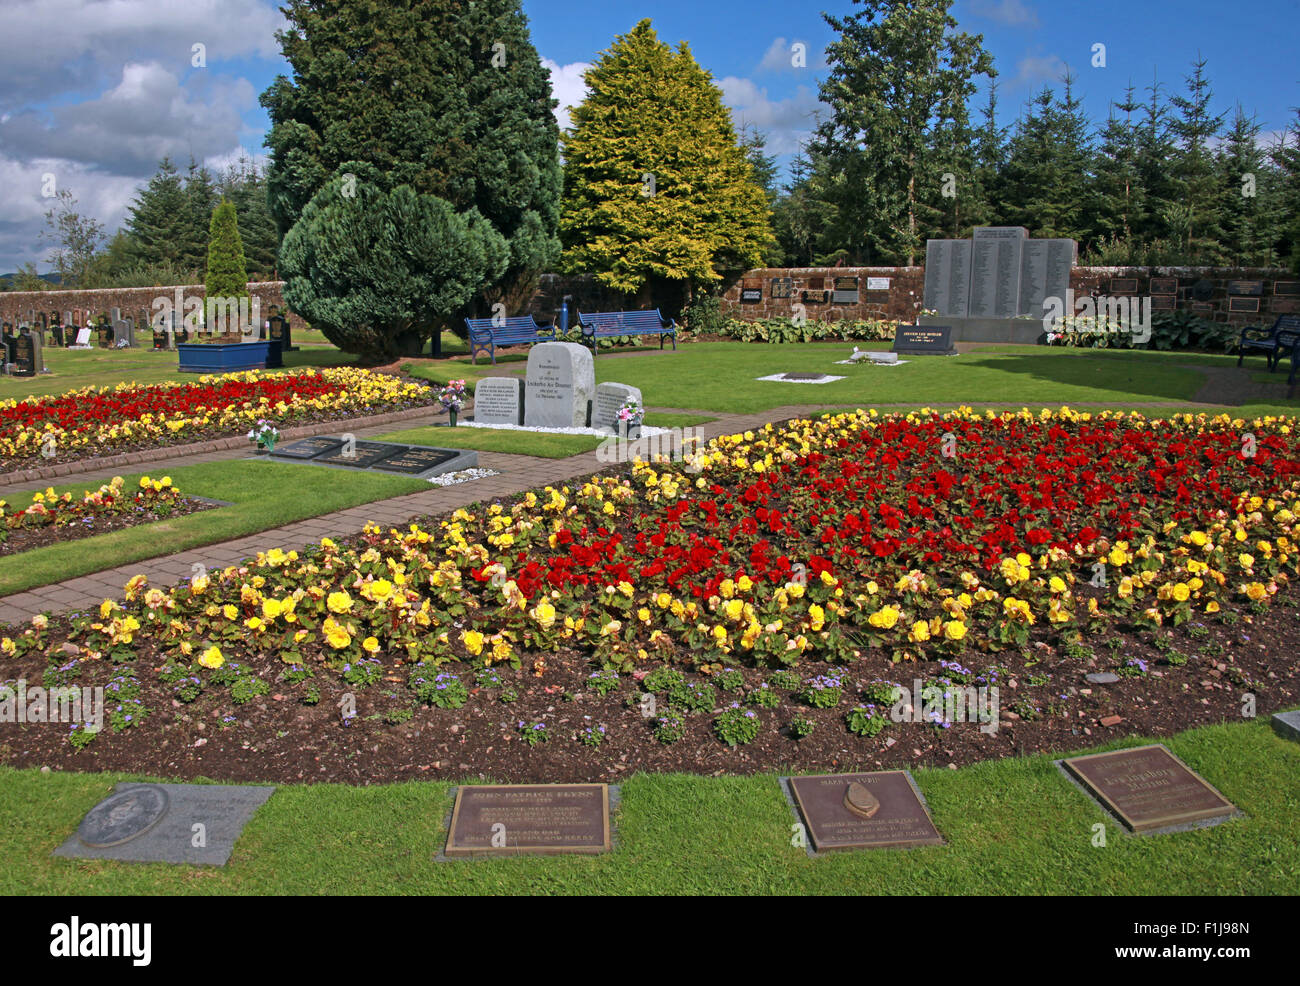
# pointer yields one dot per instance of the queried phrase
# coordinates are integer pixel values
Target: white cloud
(786, 122)
(780, 57)
(1033, 69)
(1013, 13)
(567, 85)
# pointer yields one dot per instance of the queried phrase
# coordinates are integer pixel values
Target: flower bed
(808, 569)
(53, 518)
(93, 421)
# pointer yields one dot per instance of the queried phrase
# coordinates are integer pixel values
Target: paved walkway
(517, 473)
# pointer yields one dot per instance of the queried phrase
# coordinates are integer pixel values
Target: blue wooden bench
(486, 334)
(1279, 341)
(614, 325)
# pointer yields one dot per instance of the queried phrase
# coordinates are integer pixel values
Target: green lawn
(1012, 827)
(263, 495)
(74, 369)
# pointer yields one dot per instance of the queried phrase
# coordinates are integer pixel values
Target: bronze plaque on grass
(1149, 789)
(880, 810)
(1123, 285)
(1164, 285)
(1243, 304)
(511, 819)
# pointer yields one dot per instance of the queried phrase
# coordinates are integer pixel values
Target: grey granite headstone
(166, 823)
(995, 276)
(947, 276)
(499, 401)
(609, 398)
(560, 382)
(1287, 724)
(122, 333)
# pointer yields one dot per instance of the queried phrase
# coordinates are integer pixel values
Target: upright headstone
(57, 333)
(609, 398)
(121, 333)
(995, 271)
(105, 334)
(27, 353)
(947, 276)
(115, 316)
(560, 382)
(8, 341)
(499, 401)
(83, 337)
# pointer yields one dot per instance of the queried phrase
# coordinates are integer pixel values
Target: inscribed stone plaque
(1203, 307)
(24, 355)
(609, 398)
(1000, 233)
(83, 337)
(1289, 288)
(166, 823)
(1163, 285)
(509, 819)
(863, 811)
(751, 290)
(782, 287)
(560, 382)
(947, 276)
(995, 277)
(1123, 285)
(1239, 304)
(416, 460)
(1165, 302)
(1246, 287)
(923, 339)
(309, 448)
(365, 454)
(499, 401)
(845, 291)
(880, 283)
(1149, 789)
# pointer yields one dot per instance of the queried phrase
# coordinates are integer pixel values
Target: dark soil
(28, 539)
(1046, 705)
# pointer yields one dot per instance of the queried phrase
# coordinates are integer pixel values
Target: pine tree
(659, 197)
(1118, 192)
(227, 276)
(450, 108)
(900, 77)
(1248, 190)
(158, 220)
(1193, 168)
(1286, 159)
(245, 186)
(200, 200)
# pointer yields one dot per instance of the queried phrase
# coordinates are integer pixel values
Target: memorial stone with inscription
(560, 383)
(499, 401)
(609, 398)
(507, 819)
(947, 276)
(995, 272)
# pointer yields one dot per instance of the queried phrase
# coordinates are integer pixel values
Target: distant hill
(8, 279)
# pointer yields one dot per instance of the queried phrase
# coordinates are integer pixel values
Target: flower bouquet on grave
(265, 435)
(630, 416)
(452, 397)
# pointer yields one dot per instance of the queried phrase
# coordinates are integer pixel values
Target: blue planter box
(225, 357)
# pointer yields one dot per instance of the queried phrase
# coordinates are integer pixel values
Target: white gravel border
(779, 378)
(462, 476)
(594, 432)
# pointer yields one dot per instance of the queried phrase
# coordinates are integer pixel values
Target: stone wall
(136, 303)
(1222, 295)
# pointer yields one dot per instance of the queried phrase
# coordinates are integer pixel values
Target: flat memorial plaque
(512, 819)
(1289, 288)
(1123, 285)
(1240, 304)
(1163, 285)
(365, 455)
(308, 448)
(782, 287)
(881, 810)
(1149, 789)
(1246, 287)
(166, 823)
(1163, 302)
(417, 460)
(923, 339)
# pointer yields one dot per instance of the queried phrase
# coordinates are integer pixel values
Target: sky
(93, 93)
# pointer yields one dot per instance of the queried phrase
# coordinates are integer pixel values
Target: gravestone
(308, 448)
(57, 334)
(499, 401)
(104, 332)
(1045, 273)
(923, 340)
(1287, 724)
(559, 385)
(1149, 789)
(947, 276)
(27, 354)
(995, 271)
(364, 454)
(609, 398)
(9, 341)
(416, 460)
(121, 333)
(83, 338)
(862, 811)
(166, 823)
(510, 819)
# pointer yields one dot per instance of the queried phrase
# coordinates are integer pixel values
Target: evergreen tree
(245, 186)
(1286, 159)
(1118, 192)
(449, 105)
(200, 200)
(1155, 149)
(900, 77)
(1248, 192)
(803, 214)
(658, 195)
(1200, 205)
(754, 143)
(160, 219)
(227, 276)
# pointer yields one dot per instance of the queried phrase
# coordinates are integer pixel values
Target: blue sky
(97, 100)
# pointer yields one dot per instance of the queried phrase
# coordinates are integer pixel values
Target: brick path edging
(200, 448)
